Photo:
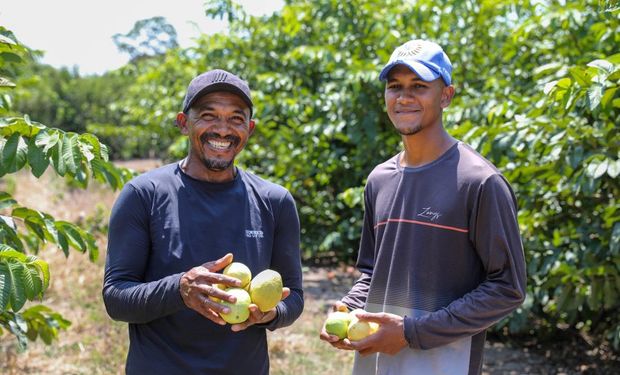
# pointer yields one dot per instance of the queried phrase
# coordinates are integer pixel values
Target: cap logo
(415, 50)
(219, 77)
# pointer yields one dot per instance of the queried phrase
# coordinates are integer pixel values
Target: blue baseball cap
(424, 58)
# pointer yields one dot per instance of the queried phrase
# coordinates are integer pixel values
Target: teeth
(221, 145)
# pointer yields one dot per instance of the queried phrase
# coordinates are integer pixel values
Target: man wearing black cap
(172, 229)
(440, 253)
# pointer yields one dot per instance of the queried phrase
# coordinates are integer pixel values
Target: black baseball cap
(213, 81)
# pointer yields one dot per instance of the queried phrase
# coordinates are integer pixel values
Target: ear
(252, 125)
(181, 122)
(447, 93)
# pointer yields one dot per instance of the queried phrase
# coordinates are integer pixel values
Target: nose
(405, 96)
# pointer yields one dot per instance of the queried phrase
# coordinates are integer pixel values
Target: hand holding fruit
(366, 332)
(201, 288)
(342, 327)
(255, 298)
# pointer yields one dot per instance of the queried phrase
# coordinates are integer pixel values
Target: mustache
(230, 138)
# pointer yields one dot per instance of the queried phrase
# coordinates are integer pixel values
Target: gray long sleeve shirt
(163, 224)
(441, 247)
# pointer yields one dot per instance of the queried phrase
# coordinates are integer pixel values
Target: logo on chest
(429, 213)
(254, 233)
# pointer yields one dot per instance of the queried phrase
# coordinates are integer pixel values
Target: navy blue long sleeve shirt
(164, 223)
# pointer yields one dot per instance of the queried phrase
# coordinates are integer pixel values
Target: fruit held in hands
(239, 271)
(358, 329)
(347, 325)
(239, 311)
(337, 324)
(266, 290)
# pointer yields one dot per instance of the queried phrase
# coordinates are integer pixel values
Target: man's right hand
(199, 283)
(333, 340)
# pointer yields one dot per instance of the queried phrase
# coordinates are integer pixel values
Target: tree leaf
(71, 152)
(603, 65)
(47, 139)
(36, 158)
(601, 168)
(580, 75)
(73, 235)
(607, 96)
(613, 170)
(5, 286)
(17, 290)
(595, 93)
(45, 271)
(14, 153)
(4, 82)
(6, 200)
(57, 158)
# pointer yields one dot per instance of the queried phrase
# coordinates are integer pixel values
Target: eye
(394, 86)
(207, 116)
(237, 120)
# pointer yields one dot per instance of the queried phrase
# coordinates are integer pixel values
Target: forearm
(356, 297)
(465, 317)
(137, 302)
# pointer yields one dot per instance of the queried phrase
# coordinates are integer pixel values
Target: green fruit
(239, 311)
(266, 290)
(239, 271)
(337, 324)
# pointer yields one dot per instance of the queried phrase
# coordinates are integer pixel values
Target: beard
(217, 165)
(409, 130)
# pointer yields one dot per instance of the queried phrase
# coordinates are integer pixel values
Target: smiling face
(218, 126)
(414, 105)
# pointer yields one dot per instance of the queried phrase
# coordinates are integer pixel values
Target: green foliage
(537, 93)
(63, 99)
(77, 157)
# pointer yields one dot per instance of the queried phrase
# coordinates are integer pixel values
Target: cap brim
(425, 73)
(221, 86)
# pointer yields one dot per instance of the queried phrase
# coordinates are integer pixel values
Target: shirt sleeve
(495, 236)
(126, 295)
(286, 259)
(357, 296)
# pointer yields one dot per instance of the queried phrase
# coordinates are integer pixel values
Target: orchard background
(536, 93)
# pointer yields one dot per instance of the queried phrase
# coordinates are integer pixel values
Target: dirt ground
(525, 356)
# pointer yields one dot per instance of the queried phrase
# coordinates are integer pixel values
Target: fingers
(285, 293)
(256, 317)
(219, 264)
(335, 341)
(208, 308)
(339, 306)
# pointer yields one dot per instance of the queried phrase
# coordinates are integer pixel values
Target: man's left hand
(389, 338)
(259, 317)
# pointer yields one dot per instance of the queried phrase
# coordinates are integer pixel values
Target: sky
(79, 32)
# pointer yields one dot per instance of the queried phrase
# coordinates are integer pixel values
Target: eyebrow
(208, 107)
(416, 79)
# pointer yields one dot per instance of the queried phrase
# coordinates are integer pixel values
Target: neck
(197, 170)
(425, 147)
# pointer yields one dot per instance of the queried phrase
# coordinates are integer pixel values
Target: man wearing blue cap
(172, 229)
(440, 254)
